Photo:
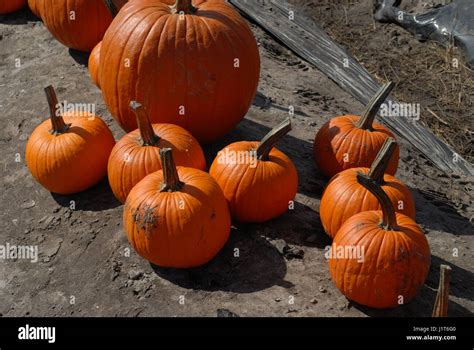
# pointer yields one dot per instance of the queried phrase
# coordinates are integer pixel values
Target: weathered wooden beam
(312, 44)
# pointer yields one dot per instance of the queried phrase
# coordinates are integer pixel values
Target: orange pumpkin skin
(130, 161)
(181, 229)
(344, 197)
(71, 162)
(9, 6)
(94, 64)
(82, 33)
(34, 7)
(340, 140)
(256, 193)
(396, 263)
(182, 72)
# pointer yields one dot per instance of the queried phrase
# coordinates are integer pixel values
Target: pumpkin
(137, 154)
(34, 7)
(345, 197)
(258, 180)
(113, 6)
(8, 6)
(350, 141)
(94, 64)
(177, 217)
(68, 153)
(78, 24)
(393, 260)
(199, 71)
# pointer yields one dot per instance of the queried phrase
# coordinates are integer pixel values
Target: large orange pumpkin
(8, 6)
(258, 180)
(68, 153)
(194, 66)
(379, 258)
(78, 24)
(345, 197)
(137, 154)
(177, 217)
(351, 141)
(94, 64)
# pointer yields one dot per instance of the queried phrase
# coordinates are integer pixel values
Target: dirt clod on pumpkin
(145, 219)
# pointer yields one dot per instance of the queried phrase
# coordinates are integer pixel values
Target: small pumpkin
(9, 6)
(345, 197)
(351, 141)
(137, 154)
(199, 71)
(394, 257)
(77, 24)
(68, 153)
(94, 64)
(258, 180)
(177, 217)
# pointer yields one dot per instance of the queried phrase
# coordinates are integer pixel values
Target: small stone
(43, 218)
(314, 301)
(224, 313)
(322, 289)
(28, 204)
(135, 275)
(277, 300)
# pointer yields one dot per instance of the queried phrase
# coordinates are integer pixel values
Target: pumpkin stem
(149, 137)
(368, 118)
(270, 140)
(389, 217)
(170, 173)
(380, 164)
(184, 6)
(57, 122)
(442, 298)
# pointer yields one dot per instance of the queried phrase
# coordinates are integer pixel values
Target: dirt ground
(84, 267)
(425, 73)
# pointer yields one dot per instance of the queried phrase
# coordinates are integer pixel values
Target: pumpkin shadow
(311, 181)
(98, 198)
(80, 57)
(22, 16)
(300, 226)
(247, 264)
(439, 214)
(461, 286)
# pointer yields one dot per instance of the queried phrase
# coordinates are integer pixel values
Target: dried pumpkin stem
(380, 164)
(389, 217)
(170, 173)
(184, 6)
(57, 122)
(271, 139)
(368, 118)
(146, 129)
(442, 298)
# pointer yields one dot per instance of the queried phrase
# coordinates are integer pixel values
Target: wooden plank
(312, 44)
